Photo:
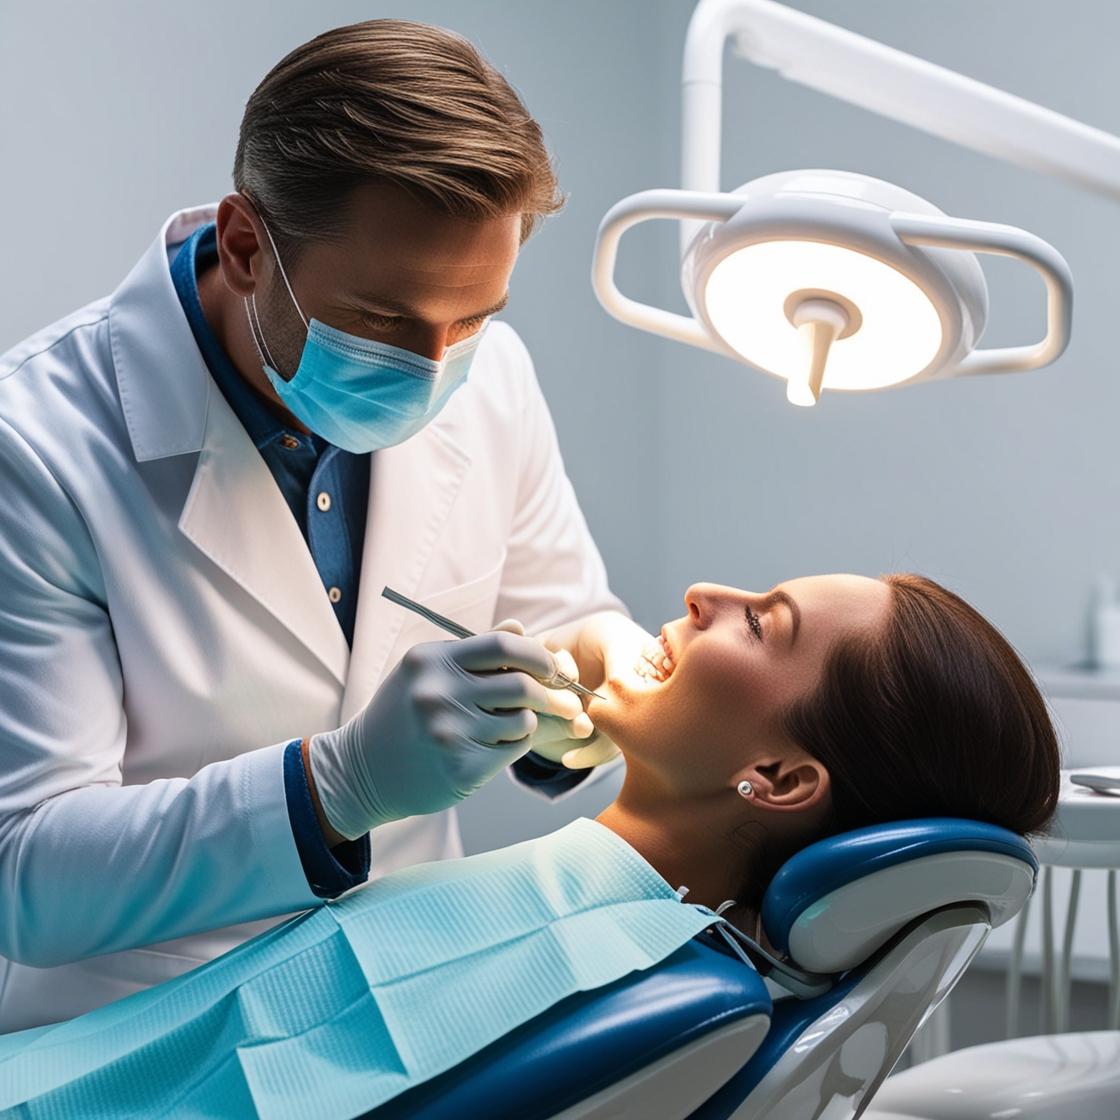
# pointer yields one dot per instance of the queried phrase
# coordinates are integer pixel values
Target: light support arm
(887, 81)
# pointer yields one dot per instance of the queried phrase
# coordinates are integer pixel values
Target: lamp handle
(632, 211)
(1008, 241)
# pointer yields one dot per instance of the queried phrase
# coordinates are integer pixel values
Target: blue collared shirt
(327, 491)
(326, 488)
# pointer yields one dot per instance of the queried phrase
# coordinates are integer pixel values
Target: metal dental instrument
(557, 680)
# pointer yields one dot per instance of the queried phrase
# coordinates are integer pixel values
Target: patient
(754, 725)
(843, 701)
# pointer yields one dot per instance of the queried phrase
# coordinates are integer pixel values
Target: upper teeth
(656, 663)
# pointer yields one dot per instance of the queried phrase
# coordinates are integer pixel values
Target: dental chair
(874, 928)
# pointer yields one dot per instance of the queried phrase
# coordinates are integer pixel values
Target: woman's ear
(795, 784)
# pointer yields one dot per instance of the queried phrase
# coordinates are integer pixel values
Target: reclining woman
(753, 726)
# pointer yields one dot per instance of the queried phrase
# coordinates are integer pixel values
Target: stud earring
(745, 789)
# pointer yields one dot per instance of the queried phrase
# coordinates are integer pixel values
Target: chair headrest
(837, 901)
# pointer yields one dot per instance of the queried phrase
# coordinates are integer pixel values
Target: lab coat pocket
(471, 604)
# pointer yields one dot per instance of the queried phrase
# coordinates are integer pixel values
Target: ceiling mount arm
(873, 76)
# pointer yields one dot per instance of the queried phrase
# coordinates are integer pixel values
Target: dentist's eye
(753, 622)
(380, 322)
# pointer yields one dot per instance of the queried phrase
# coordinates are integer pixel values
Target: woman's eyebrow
(788, 601)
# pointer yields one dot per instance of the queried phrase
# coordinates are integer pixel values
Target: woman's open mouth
(656, 663)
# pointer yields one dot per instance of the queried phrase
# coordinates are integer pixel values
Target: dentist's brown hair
(388, 100)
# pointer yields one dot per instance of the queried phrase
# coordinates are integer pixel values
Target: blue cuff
(329, 871)
(545, 776)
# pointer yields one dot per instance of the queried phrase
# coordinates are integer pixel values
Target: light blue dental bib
(345, 1007)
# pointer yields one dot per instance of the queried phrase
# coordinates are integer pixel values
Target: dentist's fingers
(501, 692)
(555, 738)
(595, 753)
(565, 704)
(498, 649)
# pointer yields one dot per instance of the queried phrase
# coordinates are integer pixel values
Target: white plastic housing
(844, 927)
(830, 231)
(899, 261)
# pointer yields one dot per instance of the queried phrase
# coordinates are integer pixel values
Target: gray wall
(688, 467)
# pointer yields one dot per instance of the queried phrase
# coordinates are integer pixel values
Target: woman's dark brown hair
(934, 716)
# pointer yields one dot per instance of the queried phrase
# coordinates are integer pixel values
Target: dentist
(208, 477)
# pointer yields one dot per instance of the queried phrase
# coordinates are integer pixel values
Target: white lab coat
(164, 632)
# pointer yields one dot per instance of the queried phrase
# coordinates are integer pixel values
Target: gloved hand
(603, 645)
(560, 731)
(442, 724)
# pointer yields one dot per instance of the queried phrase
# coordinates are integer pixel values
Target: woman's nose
(703, 600)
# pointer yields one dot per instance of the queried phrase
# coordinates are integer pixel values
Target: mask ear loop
(257, 334)
(280, 265)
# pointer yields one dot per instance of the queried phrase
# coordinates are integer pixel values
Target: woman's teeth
(655, 663)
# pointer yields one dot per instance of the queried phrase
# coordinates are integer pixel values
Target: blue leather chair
(873, 928)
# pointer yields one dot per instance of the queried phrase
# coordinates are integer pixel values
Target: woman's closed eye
(753, 621)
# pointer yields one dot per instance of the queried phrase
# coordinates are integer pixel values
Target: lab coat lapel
(413, 488)
(234, 512)
(236, 515)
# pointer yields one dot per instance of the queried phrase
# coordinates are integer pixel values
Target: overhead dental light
(834, 280)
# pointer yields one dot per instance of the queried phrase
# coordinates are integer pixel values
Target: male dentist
(207, 479)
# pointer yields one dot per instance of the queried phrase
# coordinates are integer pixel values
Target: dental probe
(557, 680)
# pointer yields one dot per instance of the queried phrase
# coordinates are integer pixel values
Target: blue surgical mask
(358, 394)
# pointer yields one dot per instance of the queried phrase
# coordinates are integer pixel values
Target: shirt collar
(200, 250)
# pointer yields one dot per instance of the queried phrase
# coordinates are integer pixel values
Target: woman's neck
(685, 843)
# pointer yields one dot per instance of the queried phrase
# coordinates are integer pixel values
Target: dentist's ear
(240, 240)
(784, 784)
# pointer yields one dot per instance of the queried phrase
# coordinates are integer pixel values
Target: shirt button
(323, 501)
(335, 594)
(290, 443)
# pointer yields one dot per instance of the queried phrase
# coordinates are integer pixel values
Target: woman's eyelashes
(753, 621)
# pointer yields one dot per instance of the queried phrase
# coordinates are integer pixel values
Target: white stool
(1066, 1076)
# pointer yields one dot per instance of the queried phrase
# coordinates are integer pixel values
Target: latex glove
(606, 644)
(442, 724)
(559, 731)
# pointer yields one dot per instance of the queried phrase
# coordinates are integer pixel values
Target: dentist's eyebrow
(790, 603)
(395, 307)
